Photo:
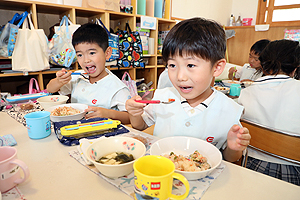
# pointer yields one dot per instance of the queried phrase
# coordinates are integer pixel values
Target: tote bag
(9, 33)
(113, 42)
(71, 27)
(62, 52)
(31, 49)
(130, 46)
(35, 90)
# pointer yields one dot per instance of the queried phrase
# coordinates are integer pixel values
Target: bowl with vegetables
(193, 158)
(114, 156)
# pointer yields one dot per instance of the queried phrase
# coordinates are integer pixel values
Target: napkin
(7, 140)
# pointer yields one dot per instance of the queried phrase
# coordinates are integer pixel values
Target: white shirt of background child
(273, 101)
(247, 72)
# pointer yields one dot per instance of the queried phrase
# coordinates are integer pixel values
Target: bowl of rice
(193, 158)
(67, 112)
(227, 83)
(224, 90)
(114, 156)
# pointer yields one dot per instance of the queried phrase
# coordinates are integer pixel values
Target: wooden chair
(280, 144)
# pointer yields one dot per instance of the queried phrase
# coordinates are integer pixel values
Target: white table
(56, 175)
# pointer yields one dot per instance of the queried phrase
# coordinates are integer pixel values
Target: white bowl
(224, 90)
(227, 83)
(109, 145)
(79, 116)
(185, 146)
(247, 83)
(52, 100)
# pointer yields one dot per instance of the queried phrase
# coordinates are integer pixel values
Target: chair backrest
(280, 144)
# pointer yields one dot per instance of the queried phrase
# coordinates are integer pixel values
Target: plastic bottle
(232, 20)
(238, 21)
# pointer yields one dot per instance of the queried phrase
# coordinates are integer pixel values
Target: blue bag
(9, 33)
(113, 42)
(62, 52)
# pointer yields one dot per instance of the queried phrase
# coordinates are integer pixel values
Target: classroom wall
(245, 8)
(219, 10)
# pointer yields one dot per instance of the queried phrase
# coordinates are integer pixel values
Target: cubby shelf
(45, 15)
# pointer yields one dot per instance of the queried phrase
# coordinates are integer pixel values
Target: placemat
(71, 141)
(18, 114)
(13, 194)
(126, 183)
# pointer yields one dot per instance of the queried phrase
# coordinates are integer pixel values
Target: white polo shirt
(273, 101)
(247, 72)
(176, 119)
(109, 92)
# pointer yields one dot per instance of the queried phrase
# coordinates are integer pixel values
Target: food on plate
(221, 88)
(26, 106)
(192, 163)
(64, 111)
(116, 158)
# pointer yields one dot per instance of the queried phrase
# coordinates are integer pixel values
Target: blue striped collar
(273, 78)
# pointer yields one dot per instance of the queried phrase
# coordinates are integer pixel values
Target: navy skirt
(288, 173)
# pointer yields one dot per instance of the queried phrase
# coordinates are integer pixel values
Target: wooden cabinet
(45, 15)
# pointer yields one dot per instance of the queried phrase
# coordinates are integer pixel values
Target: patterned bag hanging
(130, 46)
(62, 52)
(9, 33)
(113, 42)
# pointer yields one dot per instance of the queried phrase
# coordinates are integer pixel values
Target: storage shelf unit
(45, 15)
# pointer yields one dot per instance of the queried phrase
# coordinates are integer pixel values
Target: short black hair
(280, 56)
(91, 33)
(196, 36)
(259, 46)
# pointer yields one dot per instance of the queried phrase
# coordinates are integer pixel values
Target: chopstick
(233, 73)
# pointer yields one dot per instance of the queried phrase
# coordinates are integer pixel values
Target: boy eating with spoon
(100, 89)
(194, 51)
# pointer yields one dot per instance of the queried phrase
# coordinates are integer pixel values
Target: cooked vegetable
(116, 158)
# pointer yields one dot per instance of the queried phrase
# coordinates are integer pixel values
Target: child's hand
(135, 108)
(96, 112)
(230, 72)
(238, 138)
(63, 76)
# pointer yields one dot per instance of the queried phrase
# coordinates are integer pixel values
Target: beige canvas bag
(31, 49)
(102, 4)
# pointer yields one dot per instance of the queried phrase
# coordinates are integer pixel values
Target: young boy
(194, 51)
(252, 70)
(96, 86)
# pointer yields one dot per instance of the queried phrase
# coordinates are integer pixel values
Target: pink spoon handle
(148, 101)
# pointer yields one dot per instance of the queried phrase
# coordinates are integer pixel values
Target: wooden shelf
(40, 11)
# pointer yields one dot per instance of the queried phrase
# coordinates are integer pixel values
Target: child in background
(252, 70)
(273, 101)
(96, 86)
(163, 80)
(194, 51)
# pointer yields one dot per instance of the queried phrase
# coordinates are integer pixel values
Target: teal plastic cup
(235, 90)
(38, 124)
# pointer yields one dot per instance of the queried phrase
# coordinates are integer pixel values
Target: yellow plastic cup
(153, 177)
